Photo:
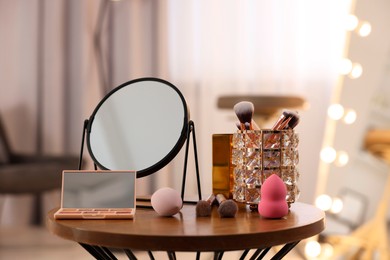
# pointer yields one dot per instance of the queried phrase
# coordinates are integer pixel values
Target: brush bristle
(244, 111)
(203, 209)
(228, 209)
(294, 118)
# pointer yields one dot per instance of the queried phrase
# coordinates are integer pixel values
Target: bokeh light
(335, 111)
(337, 206)
(312, 249)
(324, 202)
(328, 154)
(350, 116)
(342, 158)
(357, 71)
(345, 66)
(351, 22)
(364, 29)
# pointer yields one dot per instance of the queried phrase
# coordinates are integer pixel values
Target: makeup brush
(254, 125)
(203, 207)
(282, 121)
(247, 126)
(244, 111)
(288, 119)
(227, 208)
(294, 119)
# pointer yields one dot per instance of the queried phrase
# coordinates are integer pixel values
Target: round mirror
(140, 125)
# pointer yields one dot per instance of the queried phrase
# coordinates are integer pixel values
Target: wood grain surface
(185, 232)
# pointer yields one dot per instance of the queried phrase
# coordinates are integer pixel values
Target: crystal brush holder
(256, 155)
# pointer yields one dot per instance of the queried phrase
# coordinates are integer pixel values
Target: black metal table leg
(130, 254)
(257, 252)
(150, 255)
(284, 251)
(109, 253)
(244, 254)
(96, 252)
(104, 253)
(171, 255)
(218, 255)
(265, 251)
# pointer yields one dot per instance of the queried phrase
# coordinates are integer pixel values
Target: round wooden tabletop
(185, 232)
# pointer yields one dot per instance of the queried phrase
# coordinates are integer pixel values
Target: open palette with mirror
(97, 195)
(140, 125)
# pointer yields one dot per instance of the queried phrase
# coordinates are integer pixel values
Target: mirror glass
(98, 190)
(140, 125)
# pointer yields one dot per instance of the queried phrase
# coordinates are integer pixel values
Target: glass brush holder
(256, 155)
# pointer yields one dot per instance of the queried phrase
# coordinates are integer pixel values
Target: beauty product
(288, 120)
(294, 119)
(166, 202)
(244, 111)
(203, 207)
(222, 171)
(227, 208)
(273, 202)
(255, 126)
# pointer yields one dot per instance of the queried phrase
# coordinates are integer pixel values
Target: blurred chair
(30, 174)
(349, 217)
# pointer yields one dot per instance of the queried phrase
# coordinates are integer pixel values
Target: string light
(335, 111)
(350, 116)
(312, 249)
(364, 29)
(326, 251)
(337, 206)
(351, 22)
(342, 158)
(328, 154)
(324, 202)
(356, 71)
(345, 66)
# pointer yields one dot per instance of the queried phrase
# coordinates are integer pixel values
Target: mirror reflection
(98, 190)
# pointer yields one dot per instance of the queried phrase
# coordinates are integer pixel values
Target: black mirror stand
(191, 129)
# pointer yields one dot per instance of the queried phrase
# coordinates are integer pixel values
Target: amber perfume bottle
(222, 164)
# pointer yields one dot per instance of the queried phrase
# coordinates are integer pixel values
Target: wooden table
(185, 232)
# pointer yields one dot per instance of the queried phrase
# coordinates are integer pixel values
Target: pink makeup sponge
(166, 202)
(273, 202)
